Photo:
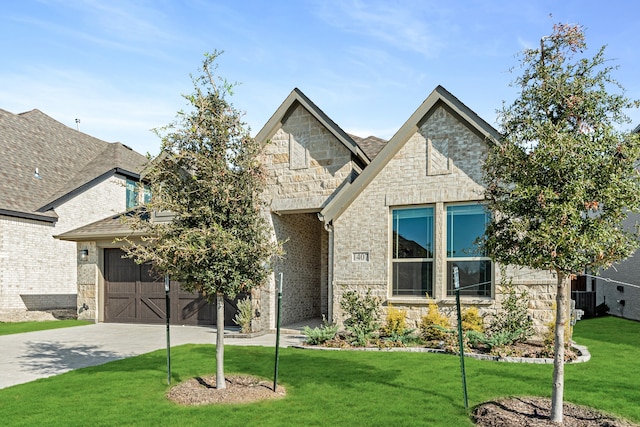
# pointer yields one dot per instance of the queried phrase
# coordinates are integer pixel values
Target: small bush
(435, 326)
(244, 315)
(513, 320)
(396, 323)
(362, 312)
(317, 336)
(472, 321)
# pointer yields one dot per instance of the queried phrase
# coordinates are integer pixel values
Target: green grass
(329, 388)
(7, 328)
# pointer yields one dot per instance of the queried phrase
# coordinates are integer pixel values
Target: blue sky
(121, 66)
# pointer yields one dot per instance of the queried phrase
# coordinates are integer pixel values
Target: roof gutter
(27, 215)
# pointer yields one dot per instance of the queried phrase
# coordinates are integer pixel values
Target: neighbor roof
(44, 162)
(439, 97)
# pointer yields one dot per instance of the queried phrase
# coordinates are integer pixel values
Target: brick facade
(38, 272)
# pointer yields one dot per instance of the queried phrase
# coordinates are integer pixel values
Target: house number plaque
(360, 257)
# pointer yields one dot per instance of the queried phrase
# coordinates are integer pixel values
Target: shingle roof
(371, 145)
(107, 228)
(64, 158)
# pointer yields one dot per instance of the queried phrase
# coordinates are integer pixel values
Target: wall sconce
(84, 254)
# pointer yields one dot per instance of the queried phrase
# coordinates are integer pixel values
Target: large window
(412, 261)
(465, 226)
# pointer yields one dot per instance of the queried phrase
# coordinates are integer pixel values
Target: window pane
(132, 194)
(412, 278)
(465, 224)
(413, 233)
(470, 273)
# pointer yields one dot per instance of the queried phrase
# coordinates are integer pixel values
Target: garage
(134, 295)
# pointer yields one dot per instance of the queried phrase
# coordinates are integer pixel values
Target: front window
(412, 261)
(465, 227)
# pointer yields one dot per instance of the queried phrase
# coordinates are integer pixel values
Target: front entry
(134, 295)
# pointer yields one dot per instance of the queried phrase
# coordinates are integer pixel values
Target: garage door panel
(153, 310)
(134, 294)
(121, 309)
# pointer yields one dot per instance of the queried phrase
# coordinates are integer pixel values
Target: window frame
(430, 261)
(489, 291)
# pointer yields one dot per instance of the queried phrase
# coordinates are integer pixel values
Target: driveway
(27, 357)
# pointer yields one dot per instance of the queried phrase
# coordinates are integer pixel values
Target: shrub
(435, 326)
(362, 312)
(319, 335)
(472, 321)
(513, 320)
(244, 315)
(396, 323)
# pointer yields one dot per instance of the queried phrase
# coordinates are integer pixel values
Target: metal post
(456, 285)
(275, 374)
(168, 310)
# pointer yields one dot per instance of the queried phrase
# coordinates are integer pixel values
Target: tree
(209, 177)
(563, 177)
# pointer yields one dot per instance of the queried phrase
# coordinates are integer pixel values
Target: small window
(466, 224)
(132, 194)
(412, 248)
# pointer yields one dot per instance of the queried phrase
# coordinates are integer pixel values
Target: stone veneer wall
(36, 268)
(439, 165)
(306, 164)
(305, 184)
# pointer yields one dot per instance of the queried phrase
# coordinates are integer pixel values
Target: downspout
(329, 228)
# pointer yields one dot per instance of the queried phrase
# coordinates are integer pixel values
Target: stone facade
(440, 165)
(38, 272)
(306, 164)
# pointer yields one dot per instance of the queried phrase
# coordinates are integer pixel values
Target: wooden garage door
(134, 295)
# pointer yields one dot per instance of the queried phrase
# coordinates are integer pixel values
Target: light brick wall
(39, 272)
(627, 271)
(422, 172)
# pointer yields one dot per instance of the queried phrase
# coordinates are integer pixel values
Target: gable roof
(438, 97)
(297, 98)
(44, 162)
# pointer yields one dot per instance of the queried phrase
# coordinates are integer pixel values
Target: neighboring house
(364, 214)
(54, 179)
(623, 300)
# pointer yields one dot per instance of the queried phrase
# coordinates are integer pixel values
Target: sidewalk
(29, 356)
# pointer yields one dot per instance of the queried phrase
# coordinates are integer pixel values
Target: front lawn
(7, 328)
(329, 388)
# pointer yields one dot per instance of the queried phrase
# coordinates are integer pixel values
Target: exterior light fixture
(84, 254)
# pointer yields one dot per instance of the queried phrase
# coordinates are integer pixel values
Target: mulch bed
(239, 389)
(536, 411)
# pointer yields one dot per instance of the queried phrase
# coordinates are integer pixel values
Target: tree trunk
(220, 382)
(557, 395)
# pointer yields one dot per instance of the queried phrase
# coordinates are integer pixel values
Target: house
(354, 213)
(619, 286)
(54, 179)
(391, 217)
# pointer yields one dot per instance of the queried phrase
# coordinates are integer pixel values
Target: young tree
(209, 177)
(563, 178)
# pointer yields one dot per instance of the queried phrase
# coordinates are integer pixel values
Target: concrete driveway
(27, 357)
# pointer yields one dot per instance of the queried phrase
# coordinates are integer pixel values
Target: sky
(121, 67)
